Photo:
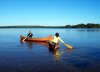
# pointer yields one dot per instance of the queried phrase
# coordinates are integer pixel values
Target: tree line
(88, 25)
(82, 25)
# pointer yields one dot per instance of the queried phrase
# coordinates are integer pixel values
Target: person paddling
(55, 41)
(29, 35)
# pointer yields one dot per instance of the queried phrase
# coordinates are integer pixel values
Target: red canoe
(44, 39)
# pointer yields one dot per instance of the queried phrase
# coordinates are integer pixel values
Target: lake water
(16, 56)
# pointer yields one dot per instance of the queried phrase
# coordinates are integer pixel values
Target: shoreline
(32, 27)
(89, 25)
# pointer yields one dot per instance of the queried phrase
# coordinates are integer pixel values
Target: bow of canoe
(43, 39)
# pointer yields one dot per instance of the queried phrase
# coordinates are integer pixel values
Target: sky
(49, 12)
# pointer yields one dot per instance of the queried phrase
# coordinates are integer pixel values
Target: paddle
(25, 38)
(69, 46)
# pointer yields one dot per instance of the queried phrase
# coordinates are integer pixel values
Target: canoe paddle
(69, 46)
(25, 38)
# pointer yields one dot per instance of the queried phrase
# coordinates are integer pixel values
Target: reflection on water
(56, 53)
(30, 44)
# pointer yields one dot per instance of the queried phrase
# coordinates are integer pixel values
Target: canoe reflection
(30, 44)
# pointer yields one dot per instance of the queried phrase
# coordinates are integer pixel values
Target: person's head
(57, 34)
(30, 32)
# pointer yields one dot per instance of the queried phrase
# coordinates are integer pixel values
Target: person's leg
(57, 46)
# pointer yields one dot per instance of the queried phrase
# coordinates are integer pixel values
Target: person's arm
(61, 40)
(69, 46)
(28, 35)
(32, 34)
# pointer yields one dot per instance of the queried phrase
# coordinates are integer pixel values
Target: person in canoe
(54, 43)
(29, 35)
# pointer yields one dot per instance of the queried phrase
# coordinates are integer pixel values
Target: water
(36, 57)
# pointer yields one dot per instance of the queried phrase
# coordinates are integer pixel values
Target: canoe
(44, 39)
